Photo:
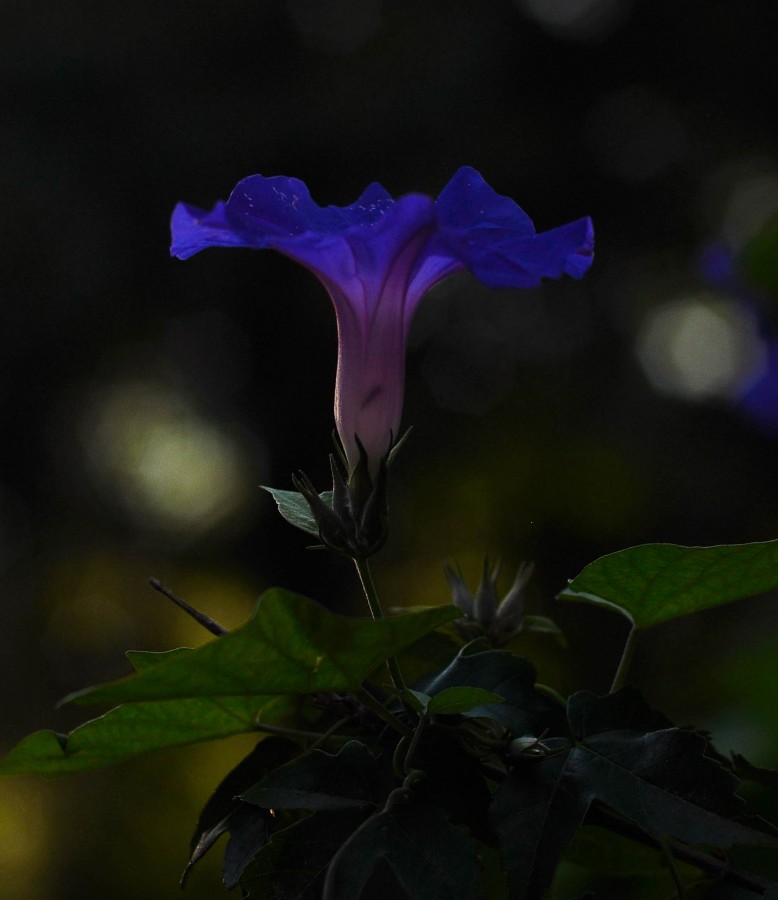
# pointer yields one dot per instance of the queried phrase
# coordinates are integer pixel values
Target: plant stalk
(368, 586)
(620, 678)
(383, 713)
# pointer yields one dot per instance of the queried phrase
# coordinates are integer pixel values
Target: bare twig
(206, 621)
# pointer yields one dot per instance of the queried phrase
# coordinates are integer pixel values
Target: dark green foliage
(524, 710)
(430, 858)
(349, 779)
(294, 863)
(661, 781)
(226, 812)
(471, 781)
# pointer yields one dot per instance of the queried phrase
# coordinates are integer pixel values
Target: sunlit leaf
(654, 583)
(290, 645)
(130, 730)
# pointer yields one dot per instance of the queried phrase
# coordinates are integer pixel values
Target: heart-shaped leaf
(654, 583)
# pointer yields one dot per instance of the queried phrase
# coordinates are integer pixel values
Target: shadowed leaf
(294, 862)
(430, 858)
(319, 780)
(499, 672)
(220, 813)
(661, 781)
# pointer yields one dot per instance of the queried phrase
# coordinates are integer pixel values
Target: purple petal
(567, 250)
(195, 229)
(496, 240)
(467, 202)
(377, 257)
(283, 207)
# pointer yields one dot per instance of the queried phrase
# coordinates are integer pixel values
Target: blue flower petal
(496, 240)
(282, 207)
(567, 250)
(467, 203)
(377, 257)
(195, 229)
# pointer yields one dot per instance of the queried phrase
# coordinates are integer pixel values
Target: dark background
(143, 400)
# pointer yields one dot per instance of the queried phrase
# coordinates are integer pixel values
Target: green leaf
(430, 858)
(760, 259)
(543, 625)
(654, 583)
(661, 781)
(290, 645)
(749, 772)
(319, 780)
(295, 509)
(143, 659)
(432, 652)
(224, 810)
(250, 828)
(454, 782)
(128, 731)
(460, 700)
(500, 673)
(294, 862)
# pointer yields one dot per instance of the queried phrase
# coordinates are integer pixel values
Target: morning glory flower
(377, 258)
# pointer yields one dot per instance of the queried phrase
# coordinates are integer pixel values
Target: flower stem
(368, 585)
(414, 743)
(620, 678)
(383, 713)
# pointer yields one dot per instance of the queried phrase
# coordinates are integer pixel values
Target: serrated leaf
(655, 583)
(293, 863)
(295, 509)
(131, 730)
(461, 700)
(319, 780)
(661, 781)
(430, 858)
(290, 645)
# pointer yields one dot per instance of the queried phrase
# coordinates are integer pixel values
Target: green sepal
(296, 510)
